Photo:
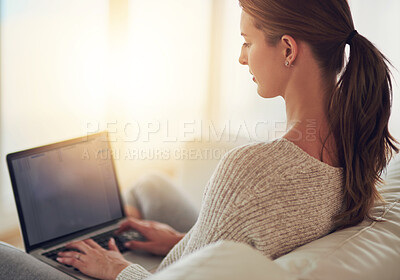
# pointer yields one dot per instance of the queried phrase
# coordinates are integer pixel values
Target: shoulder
(247, 164)
(254, 155)
(251, 149)
(270, 163)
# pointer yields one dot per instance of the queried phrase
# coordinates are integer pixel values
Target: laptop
(69, 191)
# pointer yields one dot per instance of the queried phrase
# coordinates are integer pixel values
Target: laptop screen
(65, 187)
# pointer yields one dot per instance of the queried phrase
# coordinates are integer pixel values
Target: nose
(243, 57)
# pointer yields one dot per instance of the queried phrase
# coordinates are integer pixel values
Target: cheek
(262, 65)
(262, 57)
(253, 58)
(269, 73)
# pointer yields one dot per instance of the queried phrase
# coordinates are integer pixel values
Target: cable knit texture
(272, 196)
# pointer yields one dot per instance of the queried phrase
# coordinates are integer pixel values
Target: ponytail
(359, 112)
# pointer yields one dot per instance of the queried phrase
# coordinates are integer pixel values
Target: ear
(290, 49)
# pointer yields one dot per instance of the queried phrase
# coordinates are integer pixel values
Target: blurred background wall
(162, 76)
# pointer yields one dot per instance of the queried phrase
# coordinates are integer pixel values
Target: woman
(279, 195)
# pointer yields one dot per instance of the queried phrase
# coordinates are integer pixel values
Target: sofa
(370, 250)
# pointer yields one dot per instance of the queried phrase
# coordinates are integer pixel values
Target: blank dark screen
(67, 189)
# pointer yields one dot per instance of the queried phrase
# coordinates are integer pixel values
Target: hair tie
(350, 37)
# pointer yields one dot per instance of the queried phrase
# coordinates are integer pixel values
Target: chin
(265, 94)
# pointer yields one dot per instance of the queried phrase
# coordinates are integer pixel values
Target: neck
(305, 104)
(306, 110)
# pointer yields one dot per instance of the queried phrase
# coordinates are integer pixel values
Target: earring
(287, 63)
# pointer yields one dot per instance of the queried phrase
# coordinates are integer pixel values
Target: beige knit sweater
(272, 196)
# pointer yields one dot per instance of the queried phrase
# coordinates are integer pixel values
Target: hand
(94, 260)
(160, 237)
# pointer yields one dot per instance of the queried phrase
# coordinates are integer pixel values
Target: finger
(122, 227)
(71, 261)
(131, 223)
(70, 254)
(112, 246)
(138, 245)
(80, 245)
(93, 244)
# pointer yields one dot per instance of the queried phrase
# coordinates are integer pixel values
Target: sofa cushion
(370, 250)
(224, 260)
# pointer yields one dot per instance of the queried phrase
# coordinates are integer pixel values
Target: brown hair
(358, 106)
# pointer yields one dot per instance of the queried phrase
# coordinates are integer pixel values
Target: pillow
(224, 260)
(370, 250)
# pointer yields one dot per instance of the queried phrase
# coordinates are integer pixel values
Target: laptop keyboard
(102, 239)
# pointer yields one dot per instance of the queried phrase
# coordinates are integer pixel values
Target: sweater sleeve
(176, 252)
(220, 216)
(133, 272)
